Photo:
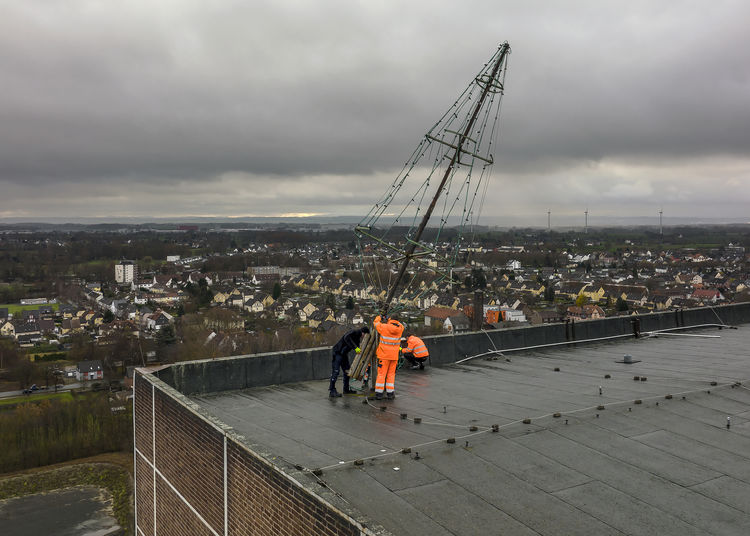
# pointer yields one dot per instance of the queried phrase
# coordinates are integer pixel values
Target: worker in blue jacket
(340, 359)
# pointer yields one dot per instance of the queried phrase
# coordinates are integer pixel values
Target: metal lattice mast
(409, 252)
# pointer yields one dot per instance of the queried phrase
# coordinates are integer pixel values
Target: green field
(14, 308)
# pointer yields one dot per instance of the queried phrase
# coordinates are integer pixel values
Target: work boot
(416, 367)
(421, 366)
(390, 396)
(349, 391)
(378, 396)
(333, 393)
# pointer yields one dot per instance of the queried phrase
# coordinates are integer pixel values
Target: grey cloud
(186, 93)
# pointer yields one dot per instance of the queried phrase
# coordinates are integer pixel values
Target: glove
(357, 350)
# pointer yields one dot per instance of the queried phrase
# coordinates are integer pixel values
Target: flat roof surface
(664, 466)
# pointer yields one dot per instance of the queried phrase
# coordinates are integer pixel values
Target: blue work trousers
(339, 361)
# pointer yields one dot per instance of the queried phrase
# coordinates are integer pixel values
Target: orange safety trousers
(386, 379)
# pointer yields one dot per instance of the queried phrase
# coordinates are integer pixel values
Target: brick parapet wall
(201, 473)
(242, 372)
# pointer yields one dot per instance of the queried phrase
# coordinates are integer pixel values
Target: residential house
(7, 329)
(28, 331)
(30, 315)
(546, 316)
(593, 292)
(220, 297)
(67, 311)
(253, 305)
(707, 295)
(344, 316)
(157, 320)
(326, 325)
(636, 299)
(436, 316)
(457, 323)
(236, 299)
(585, 312)
(164, 280)
(309, 308)
(70, 325)
(89, 370)
(195, 278)
(318, 317)
(661, 302)
(266, 299)
(46, 325)
(571, 289)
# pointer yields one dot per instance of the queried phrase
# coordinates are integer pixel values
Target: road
(67, 387)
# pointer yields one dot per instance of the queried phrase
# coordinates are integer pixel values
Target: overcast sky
(248, 108)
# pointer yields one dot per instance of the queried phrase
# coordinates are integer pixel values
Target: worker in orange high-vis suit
(415, 352)
(390, 330)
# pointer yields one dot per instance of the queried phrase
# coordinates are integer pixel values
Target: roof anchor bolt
(416, 455)
(600, 390)
(445, 409)
(473, 429)
(729, 422)
(403, 415)
(467, 444)
(566, 421)
(451, 440)
(495, 428)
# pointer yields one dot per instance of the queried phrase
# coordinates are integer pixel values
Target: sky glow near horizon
(186, 108)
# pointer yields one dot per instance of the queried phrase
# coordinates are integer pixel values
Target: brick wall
(183, 465)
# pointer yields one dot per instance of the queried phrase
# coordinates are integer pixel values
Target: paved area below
(636, 457)
(79, 511)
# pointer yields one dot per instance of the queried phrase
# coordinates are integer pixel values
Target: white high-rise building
(125, 272)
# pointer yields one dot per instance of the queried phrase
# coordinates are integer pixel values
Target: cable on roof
(495, 428)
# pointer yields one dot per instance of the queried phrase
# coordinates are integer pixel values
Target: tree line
(47, 432)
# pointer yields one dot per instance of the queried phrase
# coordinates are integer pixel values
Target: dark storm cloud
(146, 95)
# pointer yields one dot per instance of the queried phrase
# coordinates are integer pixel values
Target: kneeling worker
(390, 330)
(340, 359)
(415, 351)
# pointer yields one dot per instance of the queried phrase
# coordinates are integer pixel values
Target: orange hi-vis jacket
(390, 338)
(416, 346)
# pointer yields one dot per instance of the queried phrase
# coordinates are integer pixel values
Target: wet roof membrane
(651, 456)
